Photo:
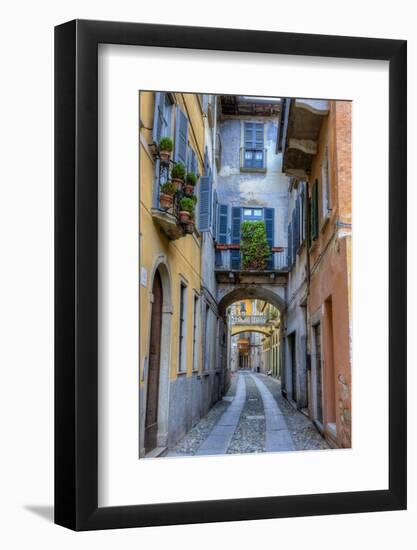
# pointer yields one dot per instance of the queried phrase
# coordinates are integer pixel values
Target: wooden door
(319, 374)
(293, 367)
(151, 419)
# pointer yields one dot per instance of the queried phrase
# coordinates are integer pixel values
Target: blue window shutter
(181, 137)
(253, 140)
(222, 224)
(302, 216)
(193, 162)
(207, 168)
(205, 103)
(214, 215)
(269, 214)
(289, 247)
(157, 120)
(294, 235)
(189, 158)
(204, 202)
(236, 223)
(296, 225)
(314, 219)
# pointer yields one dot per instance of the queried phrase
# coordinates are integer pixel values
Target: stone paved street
(252, 418)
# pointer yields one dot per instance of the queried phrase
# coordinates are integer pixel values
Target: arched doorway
(152, 392)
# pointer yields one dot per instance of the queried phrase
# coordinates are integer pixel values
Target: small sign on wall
(143, 276)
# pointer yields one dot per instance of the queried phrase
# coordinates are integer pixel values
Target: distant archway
(247, 328)
(251, 292)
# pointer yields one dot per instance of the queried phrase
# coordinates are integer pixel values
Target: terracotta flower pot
(165, 201)
(189, 190)
(184, 216)
(178, 183)
(189, 227)
(165, 156)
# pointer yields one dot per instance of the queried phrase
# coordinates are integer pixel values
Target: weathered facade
(177, 294)
(208, 312)
(316, 142)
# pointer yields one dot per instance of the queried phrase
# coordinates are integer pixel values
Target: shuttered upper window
(314, 213)
(253, 146)
(162, 117)
(181, 137)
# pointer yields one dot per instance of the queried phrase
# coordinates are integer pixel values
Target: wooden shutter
(297, 224)
(204, 202)
(314, 214)
(289, 247)
(214, 215)
(222, 224)
(194, 167)
(236, 223)
(205, 102)
(302, 216)
(253, 140)
(157, 117)
(269, 214)
(181, 137)
(294, 236)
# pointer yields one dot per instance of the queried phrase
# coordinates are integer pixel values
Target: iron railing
(225, 262)
(252, 159)
(249, 320)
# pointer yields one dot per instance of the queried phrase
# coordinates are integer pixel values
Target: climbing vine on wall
(254, 245)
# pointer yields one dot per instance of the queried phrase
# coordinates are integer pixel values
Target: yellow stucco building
(171, 369)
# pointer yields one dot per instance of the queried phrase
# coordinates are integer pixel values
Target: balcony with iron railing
(249, 320)
(166, 208)
(228, 259)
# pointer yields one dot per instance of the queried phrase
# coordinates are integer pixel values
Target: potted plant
(165, 150)
(186, 209)
(190, 181)
(178, 175)
(254, 246)
(166, 195)
(189, 226)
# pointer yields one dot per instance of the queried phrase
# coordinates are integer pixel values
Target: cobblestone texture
(249, 436)
(304, 434)
(189, 444)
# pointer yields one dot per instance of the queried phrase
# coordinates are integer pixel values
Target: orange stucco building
(316, 143)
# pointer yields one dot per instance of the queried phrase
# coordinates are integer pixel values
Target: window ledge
(181, 372)
(258, 170)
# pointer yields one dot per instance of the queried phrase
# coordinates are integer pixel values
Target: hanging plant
(189, 226)
(166, 196)
(254, 246)
(165, 149)
(186, 209)
(190, 181)
(178, 175)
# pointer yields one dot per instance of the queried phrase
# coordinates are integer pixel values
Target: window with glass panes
(253, 214)
(253, 145)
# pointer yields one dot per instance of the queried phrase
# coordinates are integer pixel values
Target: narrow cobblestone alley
(245, 275)
(252, 418)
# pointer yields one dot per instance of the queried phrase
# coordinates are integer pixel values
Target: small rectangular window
(207, 332)
(182, 329)
(195, 332)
